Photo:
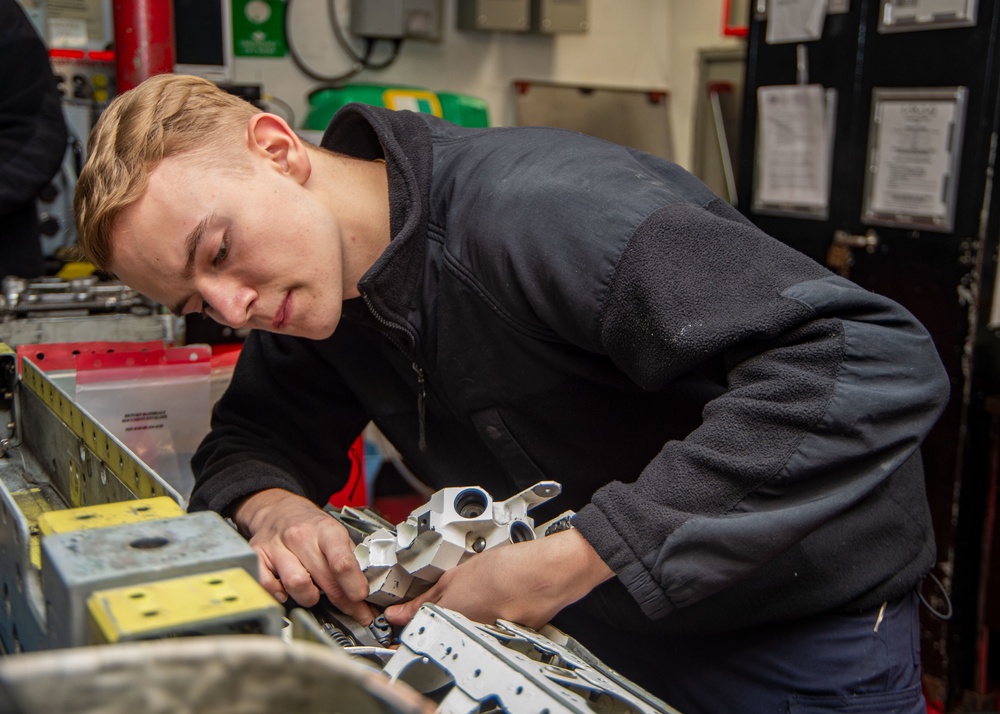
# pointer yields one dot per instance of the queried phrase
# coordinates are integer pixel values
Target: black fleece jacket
(737, 428)
(32, 139)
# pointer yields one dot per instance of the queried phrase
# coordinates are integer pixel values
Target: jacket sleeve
(32, 128)
(286, 421)
(828, 389)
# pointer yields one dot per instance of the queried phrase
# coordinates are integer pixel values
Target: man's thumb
(399, 615)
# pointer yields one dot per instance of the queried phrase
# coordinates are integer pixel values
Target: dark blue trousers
(857, 663)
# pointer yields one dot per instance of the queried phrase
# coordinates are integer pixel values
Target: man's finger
(343, 569)
(361, 612)
(272, 585)
(267, 578)
(399, 615)
(336, 572)
(294, 579)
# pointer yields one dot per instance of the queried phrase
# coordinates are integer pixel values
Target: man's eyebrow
(191, 244)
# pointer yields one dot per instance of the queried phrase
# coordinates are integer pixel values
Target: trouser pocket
(905, 701)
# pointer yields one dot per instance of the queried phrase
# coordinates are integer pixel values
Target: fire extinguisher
(144, 40)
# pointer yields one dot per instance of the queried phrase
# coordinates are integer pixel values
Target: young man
(737, 429)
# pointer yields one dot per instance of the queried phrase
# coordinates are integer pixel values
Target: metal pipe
(144, 40)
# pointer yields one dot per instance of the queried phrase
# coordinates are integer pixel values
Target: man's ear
(269, 137)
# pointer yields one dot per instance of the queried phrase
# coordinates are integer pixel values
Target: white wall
(640, 44)
(696, 25)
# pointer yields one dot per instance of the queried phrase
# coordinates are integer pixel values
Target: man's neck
(358, 194)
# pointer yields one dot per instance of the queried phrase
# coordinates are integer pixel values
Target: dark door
(938, 262)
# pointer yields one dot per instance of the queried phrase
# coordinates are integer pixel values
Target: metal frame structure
(96, 550)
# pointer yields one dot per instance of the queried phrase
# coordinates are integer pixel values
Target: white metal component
(455, 524)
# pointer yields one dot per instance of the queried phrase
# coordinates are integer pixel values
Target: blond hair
(166, 115)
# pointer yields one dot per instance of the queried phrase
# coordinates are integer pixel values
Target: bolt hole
(149, 543)
(520, 532)
(470, 503)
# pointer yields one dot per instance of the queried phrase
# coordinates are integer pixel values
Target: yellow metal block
(73, 270)
(224, 602)
(108, 514)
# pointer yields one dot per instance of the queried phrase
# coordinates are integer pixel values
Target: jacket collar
(403, 139)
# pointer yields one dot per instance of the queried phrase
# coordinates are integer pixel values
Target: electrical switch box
(377, 18)
(508, 15)
(553, 16)
(422, 20)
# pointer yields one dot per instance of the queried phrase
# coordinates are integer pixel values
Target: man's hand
(303, 551)
(527, 582)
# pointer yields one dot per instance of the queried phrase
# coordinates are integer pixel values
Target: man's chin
(316, 333)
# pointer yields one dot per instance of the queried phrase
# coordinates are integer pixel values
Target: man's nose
(230, 303)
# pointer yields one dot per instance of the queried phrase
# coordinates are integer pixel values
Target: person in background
(32, 139)
(737, 429)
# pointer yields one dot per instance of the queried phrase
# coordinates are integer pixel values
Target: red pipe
(144, 40)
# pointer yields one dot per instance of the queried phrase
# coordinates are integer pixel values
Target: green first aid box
(460, 109)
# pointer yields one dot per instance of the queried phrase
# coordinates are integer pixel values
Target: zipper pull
(421, 399)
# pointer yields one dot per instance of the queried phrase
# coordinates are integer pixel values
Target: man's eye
(223, 252)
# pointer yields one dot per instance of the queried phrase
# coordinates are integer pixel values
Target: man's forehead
(170, 205)
(149, 243)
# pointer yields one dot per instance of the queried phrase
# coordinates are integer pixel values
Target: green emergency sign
(259, 28)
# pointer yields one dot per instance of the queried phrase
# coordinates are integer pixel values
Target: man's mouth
(281, 318)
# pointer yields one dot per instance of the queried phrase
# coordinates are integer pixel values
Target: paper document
(795, 20)
(913, 165)
(794, 147)
(913, 12)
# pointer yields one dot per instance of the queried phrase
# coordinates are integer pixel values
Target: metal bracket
(508, 667)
